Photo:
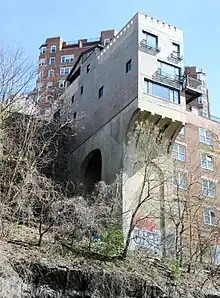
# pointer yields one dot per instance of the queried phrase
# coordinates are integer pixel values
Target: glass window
(207, 162)
(210, 217)
(169, 71)
(180, 180)
(53, 48)
(176, 48)
(51, 73)
(62, 84)
(67, 59)
(205, 136)
(49, 85)
(152, 40)
(209, 188)
(128, 66)
(43, 50)
(204, 112)
(52, 61)
(101, 92)
(65, 70)
(179, 152)
(41, 62)
(162, 92)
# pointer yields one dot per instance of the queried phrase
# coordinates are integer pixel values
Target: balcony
(214, 118)
(175, 57)
(172, 80)
(192, 87)
(149, 48)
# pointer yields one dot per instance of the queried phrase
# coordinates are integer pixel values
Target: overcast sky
(29, 22)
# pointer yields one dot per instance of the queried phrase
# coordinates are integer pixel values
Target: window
(180, 180)
(51, 73)
(201, 77)
(202, 99)
(106, 41)
(52, 61)
(74, 115)
(41, 62)
(182, 132)
(67, 59)
(170, 71)
(162, 91)
(176, 50)
(128, 66)
(179, 152)
(101, 92)
(205, 136)
(49, 85)
(208, 188)
(73, 98)
(43, 50)
(207, 162)
(204, 112)
(88, 68)
(65, 70)
(81, 90)
(210, 217)
(40, 75)
(49, 99)
(152, 40)
(53, 48)
(62, 84)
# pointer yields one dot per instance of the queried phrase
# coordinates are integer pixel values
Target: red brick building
(56, 59)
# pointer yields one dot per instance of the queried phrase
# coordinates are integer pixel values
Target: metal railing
(150, 48)
(173, 77)
(176, 56)
(193, 83)
(94, 39)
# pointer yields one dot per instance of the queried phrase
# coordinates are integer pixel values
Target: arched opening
(92, 169)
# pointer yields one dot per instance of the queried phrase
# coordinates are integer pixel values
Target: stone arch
(92, 169)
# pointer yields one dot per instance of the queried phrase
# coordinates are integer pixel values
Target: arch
(92, 169)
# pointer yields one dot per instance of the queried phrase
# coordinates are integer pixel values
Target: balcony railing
(149, 48)
(167, 78)
(175, 57)
(192, 87)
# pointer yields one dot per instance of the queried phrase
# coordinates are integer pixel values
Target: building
(56, 60)
(140, 75)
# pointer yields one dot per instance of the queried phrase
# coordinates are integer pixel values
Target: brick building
(55, 63)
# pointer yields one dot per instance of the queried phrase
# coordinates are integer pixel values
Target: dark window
(74, 115)
(176, 48)
(73, 98)
(128, 66)
(161, 91)
(81, 90)
(101, 91)
(169, 70)
(88, 68)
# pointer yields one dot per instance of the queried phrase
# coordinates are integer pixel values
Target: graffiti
(147, 235)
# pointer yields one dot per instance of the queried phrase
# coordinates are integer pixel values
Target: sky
(29, 22)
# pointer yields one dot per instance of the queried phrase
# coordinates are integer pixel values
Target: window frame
(49, 71)
(54, 59)
(62, 81)
(204, 138)
(40, 62)
(53, 46)
(63, 68)
(150, 87)
(148, 34)
(128, 66)
(179, 153)
(207, 190)
(177, 53)
(65, 56)
(174, 76)
(43, 50)
(49, 84)
(177, 182)
(202, 161)
(209, 210)
(81, 89)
